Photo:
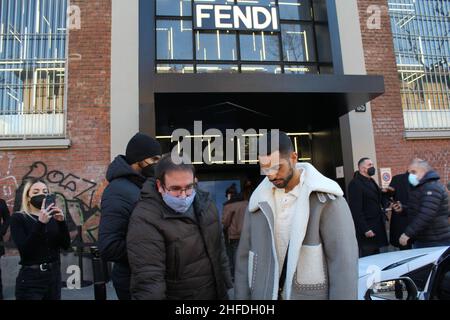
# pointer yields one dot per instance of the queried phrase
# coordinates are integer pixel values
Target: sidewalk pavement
(86, 293)
(10, 268)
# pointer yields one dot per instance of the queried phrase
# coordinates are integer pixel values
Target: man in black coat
(175, 241)
(367, 205)
(399, 217)
(4, 225)
(428, 208)
(126, 176)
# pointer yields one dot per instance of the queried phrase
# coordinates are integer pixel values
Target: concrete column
(124, 74)
(358, 141)
(348, 56)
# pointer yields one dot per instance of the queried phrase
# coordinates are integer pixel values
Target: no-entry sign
(386, 177)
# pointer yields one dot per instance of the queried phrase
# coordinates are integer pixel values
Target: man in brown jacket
(175, 241)
(233, 219)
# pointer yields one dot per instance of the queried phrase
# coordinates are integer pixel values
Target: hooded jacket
(118, 201)
(173, 256)
(323, 252)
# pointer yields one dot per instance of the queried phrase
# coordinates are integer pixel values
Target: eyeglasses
(177, 190)
(153, 160)
(270, 171)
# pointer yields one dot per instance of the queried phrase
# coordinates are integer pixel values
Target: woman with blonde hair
(39, 232)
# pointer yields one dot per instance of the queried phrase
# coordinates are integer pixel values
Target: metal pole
(99, 275)
(80, 254)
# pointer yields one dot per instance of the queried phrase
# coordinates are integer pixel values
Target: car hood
(384, 260)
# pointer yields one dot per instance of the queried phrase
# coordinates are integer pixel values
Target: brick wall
(393, 151)
(77, 174)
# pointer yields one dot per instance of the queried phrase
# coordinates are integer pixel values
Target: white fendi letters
(236, 17)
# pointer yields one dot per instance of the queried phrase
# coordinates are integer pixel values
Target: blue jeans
(419, 244)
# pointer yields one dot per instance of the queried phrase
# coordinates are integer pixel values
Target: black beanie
(142, 147)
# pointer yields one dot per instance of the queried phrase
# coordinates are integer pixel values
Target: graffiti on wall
(76, 196)
(8, 182)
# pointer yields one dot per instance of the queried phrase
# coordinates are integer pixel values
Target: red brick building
(74, 165)
(392, 148)
(116, 83)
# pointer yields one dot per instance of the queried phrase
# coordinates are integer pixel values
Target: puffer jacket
(118, 201)
(428, 211)
(174, 257)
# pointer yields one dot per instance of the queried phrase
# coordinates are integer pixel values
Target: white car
(419, 274)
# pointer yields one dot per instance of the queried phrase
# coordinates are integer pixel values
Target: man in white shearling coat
(298, 214)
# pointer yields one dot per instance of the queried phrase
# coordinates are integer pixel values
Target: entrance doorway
(314, 131)
(217, 188)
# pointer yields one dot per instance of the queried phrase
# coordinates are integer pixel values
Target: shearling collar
(312, 179)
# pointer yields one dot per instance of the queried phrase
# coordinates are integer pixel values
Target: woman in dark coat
(39, 232)
(4, 225)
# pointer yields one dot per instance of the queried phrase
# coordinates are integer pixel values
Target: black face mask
(149, 171)
(37, 201)
(371, 171)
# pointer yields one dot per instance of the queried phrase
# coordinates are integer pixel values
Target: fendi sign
(236, 17)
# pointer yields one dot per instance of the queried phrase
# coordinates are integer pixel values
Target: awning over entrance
(337, 93)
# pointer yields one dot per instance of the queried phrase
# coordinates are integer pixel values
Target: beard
(282, 183)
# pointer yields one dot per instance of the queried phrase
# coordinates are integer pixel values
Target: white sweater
(284, 212)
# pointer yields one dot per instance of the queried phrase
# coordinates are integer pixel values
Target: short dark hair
(166, 165)
(285, 146)
(360, 162)
(231, 190)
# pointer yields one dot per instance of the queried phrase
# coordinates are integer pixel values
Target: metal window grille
(33, 63)
(421, 31)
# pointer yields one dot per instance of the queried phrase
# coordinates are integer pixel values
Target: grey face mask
(179, 205)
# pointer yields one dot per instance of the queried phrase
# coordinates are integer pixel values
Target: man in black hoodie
(126, 176)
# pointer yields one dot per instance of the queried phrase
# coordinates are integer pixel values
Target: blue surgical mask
(413, 180)
(179, 205)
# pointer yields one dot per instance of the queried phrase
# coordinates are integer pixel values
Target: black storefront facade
(189, 74)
